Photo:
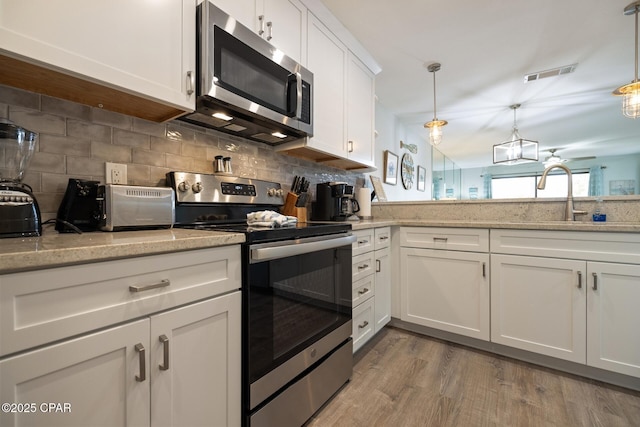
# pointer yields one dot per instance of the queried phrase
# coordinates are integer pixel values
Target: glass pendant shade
(631, 92)
(518, 150)
(435, 125)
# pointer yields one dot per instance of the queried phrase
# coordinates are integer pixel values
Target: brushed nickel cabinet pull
(440, 239)
(270, 28)
(350, 146)
(364, 325)
(363, 266)
(378, 266)
(579, 279)
(261, 19)
(484, 269)
(141, 288)
(362, 242)
(363, 291)
(191, 82)
(165, 349)
(384, 237)
(595, 281)
(143, 369)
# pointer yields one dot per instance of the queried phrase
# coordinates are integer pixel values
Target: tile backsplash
(75, 141)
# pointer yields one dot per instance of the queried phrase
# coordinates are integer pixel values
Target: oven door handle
(298, 248)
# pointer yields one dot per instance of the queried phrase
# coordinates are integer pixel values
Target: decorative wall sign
(377, 187)
(390, 168)
(406, 171)
(422, 177)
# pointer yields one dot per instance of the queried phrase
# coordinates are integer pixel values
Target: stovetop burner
(221, 203)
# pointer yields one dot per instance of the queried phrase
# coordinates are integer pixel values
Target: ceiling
(486, 48)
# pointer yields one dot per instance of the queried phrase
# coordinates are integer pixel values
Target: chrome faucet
(569, 212)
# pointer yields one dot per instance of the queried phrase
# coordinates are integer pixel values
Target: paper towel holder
(363, 196)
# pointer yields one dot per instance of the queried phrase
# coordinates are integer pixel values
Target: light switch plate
(115, 173)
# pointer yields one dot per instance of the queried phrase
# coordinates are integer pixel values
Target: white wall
(390, 132)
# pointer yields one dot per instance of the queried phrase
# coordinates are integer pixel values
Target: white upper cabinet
(360, 112)
(283, 23)
(145, 49)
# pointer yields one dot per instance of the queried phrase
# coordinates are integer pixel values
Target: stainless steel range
(296, 287)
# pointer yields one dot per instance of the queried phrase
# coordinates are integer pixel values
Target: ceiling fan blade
(582, 158)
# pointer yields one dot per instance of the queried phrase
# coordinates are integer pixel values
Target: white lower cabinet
(179, 364)
(537, 305)
(371, 283)
(446, 290)
(581, 310)
(444, 279)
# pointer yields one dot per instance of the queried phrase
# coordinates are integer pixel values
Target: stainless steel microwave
(246, 86)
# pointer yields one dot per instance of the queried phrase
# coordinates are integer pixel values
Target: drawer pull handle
(440, 239)
(384, 237)
(364, 325)
(363, 291)
(142, 288)
(363, 266)
(595, 281)
(579, 279)
(362, 242)
(143, 369)
(165, 350)
(378, 266)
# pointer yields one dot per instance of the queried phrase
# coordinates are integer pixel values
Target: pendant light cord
(435, 116)
(636, 13)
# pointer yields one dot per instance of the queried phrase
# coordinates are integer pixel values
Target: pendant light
(518, 150)
(631, 92)
(435, 125)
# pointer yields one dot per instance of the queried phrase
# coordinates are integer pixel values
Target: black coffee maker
(334, 202)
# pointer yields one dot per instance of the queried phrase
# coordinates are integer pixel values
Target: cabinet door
(327, 60)
(538, 304)
(195, 364)
(244, 11)
(93, 376)
(613, 340)
(383, 288)
(143, 48)
(446, 290)
(286, 27)
(360, 112)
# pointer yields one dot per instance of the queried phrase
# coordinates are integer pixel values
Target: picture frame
(390, 168)
(377, 187)
(422, 178)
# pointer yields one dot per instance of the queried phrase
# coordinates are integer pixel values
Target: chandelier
(518, 149)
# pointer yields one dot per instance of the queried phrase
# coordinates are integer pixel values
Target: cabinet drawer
(382, 237)
(362, 323)
(363, 289)
(363, 265)
(46, 305)
(365, 241)
(589, 246)
(453, 239)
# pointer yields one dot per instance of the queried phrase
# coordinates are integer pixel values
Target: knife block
(290, 208)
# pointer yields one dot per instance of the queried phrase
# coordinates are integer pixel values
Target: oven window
(295, 301)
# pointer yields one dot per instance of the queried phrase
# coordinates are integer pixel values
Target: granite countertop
(56, 249)
(627, 227)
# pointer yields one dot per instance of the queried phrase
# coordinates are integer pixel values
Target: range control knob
(184, 186)
(197, 187)
(275, 192)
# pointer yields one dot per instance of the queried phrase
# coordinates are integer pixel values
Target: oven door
(298, 308)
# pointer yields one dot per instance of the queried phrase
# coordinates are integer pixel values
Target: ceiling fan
(554, 158)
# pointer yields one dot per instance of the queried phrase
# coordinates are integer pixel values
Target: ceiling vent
(550, 73)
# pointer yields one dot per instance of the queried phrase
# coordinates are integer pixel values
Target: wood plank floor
(402, 379)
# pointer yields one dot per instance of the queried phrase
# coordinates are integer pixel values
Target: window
(520, 187)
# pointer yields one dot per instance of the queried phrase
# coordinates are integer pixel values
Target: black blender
(19, 211)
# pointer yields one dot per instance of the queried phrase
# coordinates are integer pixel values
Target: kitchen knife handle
(143, 369)
(141, 288)
(165, 350)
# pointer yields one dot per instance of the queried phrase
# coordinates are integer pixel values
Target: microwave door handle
(299, 97)
(294, 88)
